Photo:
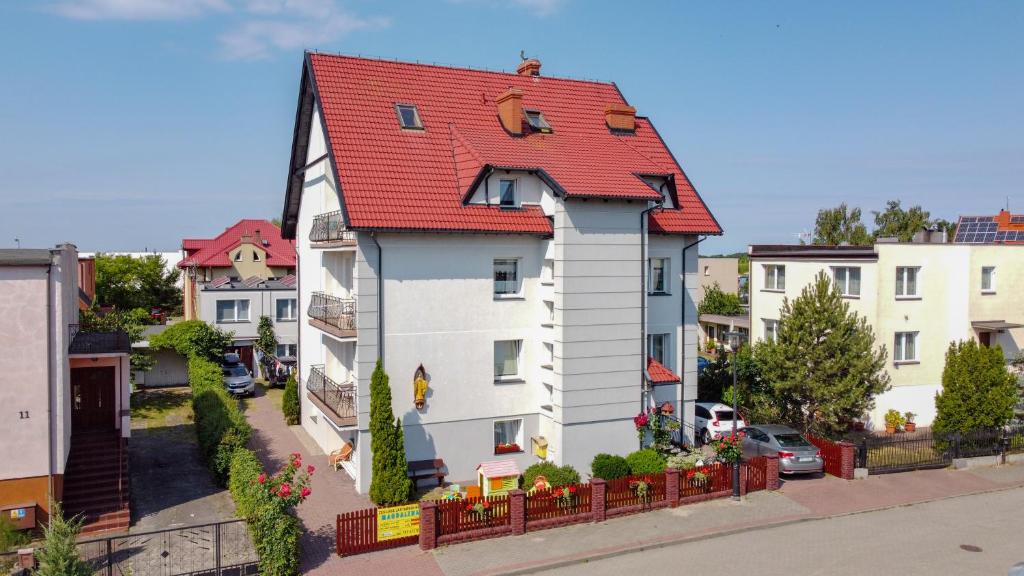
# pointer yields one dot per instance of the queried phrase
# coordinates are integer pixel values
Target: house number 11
(23, 414)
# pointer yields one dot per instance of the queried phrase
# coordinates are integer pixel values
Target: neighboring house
(714, 327)
(725, 273)
(245, 272)
(918, 297)
(501, 232)
(68, 396)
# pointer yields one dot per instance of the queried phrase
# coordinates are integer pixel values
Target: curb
(566, 562)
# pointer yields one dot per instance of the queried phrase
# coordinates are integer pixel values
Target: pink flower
(310, 469)
(305, 491)
(261, 478)
(284, 491)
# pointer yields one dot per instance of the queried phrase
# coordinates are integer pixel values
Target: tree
(131, 322)
(290, 405)
(267, 340)
(193, 339)
(823, 366)
(717, 301)
(127, 283)
(977, 389)
(840, 225)
(895, 222)
(59, 554)
(390, 484)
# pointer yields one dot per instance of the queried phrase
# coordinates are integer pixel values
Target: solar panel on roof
(1017, 219)
(218, 282)
(252, 281)
(288, 280)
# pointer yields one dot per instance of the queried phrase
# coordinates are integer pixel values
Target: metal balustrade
(329, 227)
(338, 398)
(333, 311)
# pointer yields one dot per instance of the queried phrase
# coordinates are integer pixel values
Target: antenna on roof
(522, 55)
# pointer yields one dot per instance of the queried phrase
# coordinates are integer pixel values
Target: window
(771, 330)
(707, 270)
(255, 256)
(507, 190)
(905, 347)
(286, 309)
(550, 307)
(506, 277)
(906, 281)
(506, 359)
(847, 280)
(659, 275)
(232, 311)
(409, 117)
(536, 120)
(508, 432)
(238, 256)
(547, 273)
(285, 350)
(549, 355)
(711, 331)
(988, 279)
(774, 277)
(657, 347)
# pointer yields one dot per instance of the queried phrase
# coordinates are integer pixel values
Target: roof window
(536, 120)
(409, 116)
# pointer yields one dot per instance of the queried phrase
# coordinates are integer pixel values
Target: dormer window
(255, 256)
(536, 120)
(409, 117)
(507, 188)
(238, 256)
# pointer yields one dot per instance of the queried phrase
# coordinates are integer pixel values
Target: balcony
(83, 341)
(333, 315)
(328, 231)
(336, 401)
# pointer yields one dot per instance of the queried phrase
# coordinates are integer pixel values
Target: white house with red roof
(528, 241)
(246, 272)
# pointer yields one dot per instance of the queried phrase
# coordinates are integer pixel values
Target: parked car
(712, 418)
(230, 359)
(238, 380)
(796, 454)
(702, 364)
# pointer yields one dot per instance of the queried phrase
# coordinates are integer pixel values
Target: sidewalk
(799, 499)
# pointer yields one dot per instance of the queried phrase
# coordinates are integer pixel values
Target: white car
(713, 418)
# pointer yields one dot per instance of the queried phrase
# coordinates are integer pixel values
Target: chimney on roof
(246, 238)
(529, 67)
(257, 237)
(620, 117)
(510, 110)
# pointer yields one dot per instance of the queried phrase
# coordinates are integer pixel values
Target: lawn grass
(163, 411)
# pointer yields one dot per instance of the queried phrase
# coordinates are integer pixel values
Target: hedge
(609, 467)
(274, 530)
(646, 461)
(555, 475)
(220, 425)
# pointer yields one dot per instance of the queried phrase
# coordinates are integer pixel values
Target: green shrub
(11, 537)
(390, 483)
(978, 392)
(192, 339)
(290, 403)
(59, 554)
(220, 425)
(275, 531)
(646, 461)
(684, 461)
(555, 475)
(609, 467)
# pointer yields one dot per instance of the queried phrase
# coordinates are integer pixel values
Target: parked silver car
(238, 380)
(796, 454)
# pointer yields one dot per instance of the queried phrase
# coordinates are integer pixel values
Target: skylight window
(536, 120)
(409, 116)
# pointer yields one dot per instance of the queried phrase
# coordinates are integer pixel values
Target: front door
(985, 339)
(92, 398)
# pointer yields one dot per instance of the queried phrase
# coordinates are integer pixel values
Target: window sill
(908, 297)
(988, 292)
(286, 320)
(659, 293)
(548, 366)
(509, 297)
(547, 282)
(504, 452)
(233, 321)
(905, 362)
(547, 325)
(509, 380)
(775, 290)
(850, 296)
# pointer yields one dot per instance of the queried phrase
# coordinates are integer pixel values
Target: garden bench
(426, 470)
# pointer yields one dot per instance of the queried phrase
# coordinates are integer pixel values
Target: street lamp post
(733, 338)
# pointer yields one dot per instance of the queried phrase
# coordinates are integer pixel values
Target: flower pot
(889, 429)
(910, 427)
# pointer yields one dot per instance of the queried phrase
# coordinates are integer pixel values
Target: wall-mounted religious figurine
(419, 387)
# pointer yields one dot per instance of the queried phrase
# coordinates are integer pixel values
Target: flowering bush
(565, 496)
(685, 461)
(696, 477)
(728, 448)
(275, 529)
(481, 508)
(641, 421)
(641, 487)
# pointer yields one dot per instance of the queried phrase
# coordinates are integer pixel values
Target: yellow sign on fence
(398, 522)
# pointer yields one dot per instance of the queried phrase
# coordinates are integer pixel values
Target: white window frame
(844, 285)
(771, 335)
(256, 256)
(901, 278)
(991, 289)
(234, 307)
(666, 265)
(515, 192)
(294, 308)
(238, 255)
(287, 348)
(519, 432)
(666, 348)
(517, 377)
(518, 292)
(772, 276)
(899, 348)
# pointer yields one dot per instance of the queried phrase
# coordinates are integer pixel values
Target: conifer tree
(390, 484)
(59, 554)
(978, 392)
(823, 366)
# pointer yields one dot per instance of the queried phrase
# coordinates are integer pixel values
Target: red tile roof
(659, 373)
(392, 178)
(213, 252)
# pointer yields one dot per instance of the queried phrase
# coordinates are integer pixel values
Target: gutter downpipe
(643, 303)
(49, 384)
(380, 298)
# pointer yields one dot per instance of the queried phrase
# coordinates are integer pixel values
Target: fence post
(428, 524)
(598, 504)
(27, 559)
(517, 511)
(771, 472)
(672, 487)
(216, 545)
(848, 454)
(110, 558)
(956, 445)
(744, 473)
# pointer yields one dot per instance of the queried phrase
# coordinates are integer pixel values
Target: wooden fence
(559, 506)
(831, 453)
(757, 473)
(357, 533)
(467, 515)
(717, 478)
(628, 493)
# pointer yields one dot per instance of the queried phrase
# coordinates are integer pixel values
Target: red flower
(572, 489)
(469, 507)
(486, 504)
(558, 492)
(310, 469)
(261, 478)
(690, 474)
(305, 491)
(284, 491)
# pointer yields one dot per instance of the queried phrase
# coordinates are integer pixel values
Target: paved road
(921, 539)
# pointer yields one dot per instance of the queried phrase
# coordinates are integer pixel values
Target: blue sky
(130, 124)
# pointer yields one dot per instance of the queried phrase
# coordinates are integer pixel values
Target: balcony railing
(329, 227)
(82, 341)
(339, 400)
(333, 314)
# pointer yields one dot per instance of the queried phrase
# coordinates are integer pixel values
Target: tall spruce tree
(390, 484)
(977, 389)
(59, 554)
(823, 366)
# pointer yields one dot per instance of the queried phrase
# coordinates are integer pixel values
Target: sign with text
(398, 522)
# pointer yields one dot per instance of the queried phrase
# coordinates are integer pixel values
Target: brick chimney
(510, 110)
(620, 117)
(529, 67)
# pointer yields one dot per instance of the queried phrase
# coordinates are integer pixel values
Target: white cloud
(535, 7)
(299, 24)
(137, 9)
